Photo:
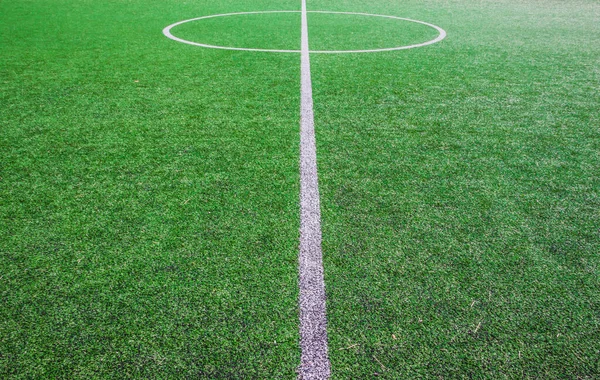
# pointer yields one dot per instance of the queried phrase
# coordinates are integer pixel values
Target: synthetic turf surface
(460, 195)
(149, 198)
(149, 192)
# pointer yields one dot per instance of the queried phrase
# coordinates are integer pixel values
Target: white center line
(314, 363)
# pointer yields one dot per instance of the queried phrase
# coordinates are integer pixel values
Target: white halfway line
(314, 362)
(314, 359)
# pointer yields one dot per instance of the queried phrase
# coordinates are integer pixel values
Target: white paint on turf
(313, 322)
(314, 360)
(441, 34)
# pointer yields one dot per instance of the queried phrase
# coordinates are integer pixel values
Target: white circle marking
(441, 35)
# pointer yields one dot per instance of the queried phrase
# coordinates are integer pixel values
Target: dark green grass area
(148, 197)
(262, 31)
(358, 32)
(460, 195)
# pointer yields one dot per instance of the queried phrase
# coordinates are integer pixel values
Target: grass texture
(149, 190)
(461, 195)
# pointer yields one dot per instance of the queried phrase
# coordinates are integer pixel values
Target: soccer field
(150, 189)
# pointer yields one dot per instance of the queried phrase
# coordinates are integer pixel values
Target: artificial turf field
(149, 190)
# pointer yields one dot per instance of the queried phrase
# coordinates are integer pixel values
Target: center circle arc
(441, 34)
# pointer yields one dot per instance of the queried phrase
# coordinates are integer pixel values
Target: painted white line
(314, 359)
(441, 34)
(312, 303)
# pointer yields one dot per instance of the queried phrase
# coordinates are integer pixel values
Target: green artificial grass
(359, 32)
(149, 190)
(460, 195)
(259, 31)
(148, 215)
